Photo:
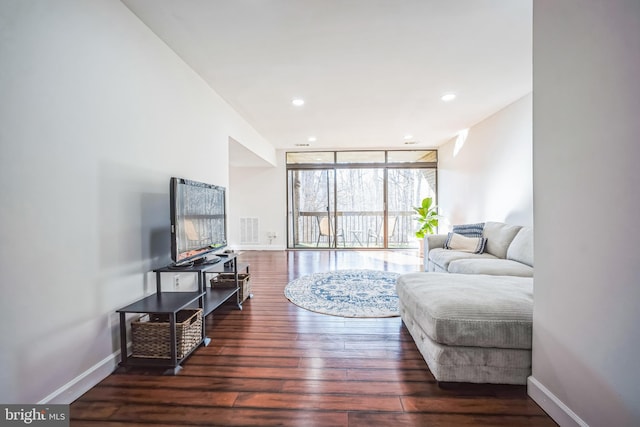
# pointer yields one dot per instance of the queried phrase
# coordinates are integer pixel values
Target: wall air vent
(249, 231)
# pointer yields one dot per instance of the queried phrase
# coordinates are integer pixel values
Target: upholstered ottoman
(470, 328)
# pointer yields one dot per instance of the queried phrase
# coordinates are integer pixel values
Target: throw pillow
(499, 236)
(462, 243)
(469, 230)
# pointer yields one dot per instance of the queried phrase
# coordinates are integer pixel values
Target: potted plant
(427, 217)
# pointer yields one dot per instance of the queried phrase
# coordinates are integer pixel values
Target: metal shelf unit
(169, 303)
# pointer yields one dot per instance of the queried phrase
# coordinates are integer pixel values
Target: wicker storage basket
(228, 280)
(151, 338)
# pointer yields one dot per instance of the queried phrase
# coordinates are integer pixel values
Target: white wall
(96, 115)
(586, 106)
(260, 192)
(487, 176)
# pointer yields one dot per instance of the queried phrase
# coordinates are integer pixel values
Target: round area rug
(347, 293)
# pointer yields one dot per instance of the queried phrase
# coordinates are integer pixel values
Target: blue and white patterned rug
(347, 293)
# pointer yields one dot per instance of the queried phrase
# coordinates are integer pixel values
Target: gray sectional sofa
(474, 325)
(508, 252)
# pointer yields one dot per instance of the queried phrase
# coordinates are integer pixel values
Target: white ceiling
(370, 71)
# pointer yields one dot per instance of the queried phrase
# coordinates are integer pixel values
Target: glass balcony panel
(360, 206)
(406, 189)
(311, 217)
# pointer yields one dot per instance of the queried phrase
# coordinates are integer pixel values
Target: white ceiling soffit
(370, 71)
(241, 156)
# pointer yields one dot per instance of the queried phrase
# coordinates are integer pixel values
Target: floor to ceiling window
(357, 199)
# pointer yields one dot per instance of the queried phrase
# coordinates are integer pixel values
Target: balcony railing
(356, 229)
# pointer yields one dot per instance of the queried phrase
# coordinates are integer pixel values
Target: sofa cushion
(495, 267)
(499, 236)
(442, 257)
(469, 364)
(469, 230)
(470, 310)
(521, 248)
(465, 244)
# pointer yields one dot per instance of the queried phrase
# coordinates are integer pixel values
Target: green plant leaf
(427, 217)
(426, 203)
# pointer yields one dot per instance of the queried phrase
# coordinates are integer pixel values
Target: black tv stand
(206, 298)
(207, 261)
(197, 263)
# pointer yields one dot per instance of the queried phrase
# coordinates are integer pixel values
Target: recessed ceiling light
(312, 139)
(448, 97)
(408, 137)
(298, 102)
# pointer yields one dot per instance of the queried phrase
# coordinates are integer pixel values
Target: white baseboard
(553, 406)
(75, 388)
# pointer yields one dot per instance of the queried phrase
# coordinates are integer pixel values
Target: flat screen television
(198, 221)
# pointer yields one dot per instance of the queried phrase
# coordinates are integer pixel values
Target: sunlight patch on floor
(401, 258)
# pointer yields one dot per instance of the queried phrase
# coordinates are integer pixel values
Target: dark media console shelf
(214, 298)
(169, 303)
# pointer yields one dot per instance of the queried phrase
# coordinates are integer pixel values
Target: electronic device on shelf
(198, 221)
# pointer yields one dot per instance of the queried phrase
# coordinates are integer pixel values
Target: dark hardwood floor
(276, 364)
